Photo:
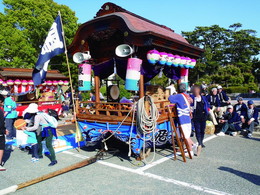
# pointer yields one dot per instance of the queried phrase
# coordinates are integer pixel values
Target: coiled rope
(146, 122)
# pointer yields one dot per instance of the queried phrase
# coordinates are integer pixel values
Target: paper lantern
(163, 58)
(61, 82)
(84, 77)
(55, 83)
(153, 56)
(4, 84)
(49, 82)
(24, 82)
(133, 74)
(17, 82)
(66, 83)
(10, 82)
(169, 59)
(182, 62)
(184, 76)
(176, 61)
(1, 81)
(44, 84)
(188, 61)
(193, 63)
(30, 82)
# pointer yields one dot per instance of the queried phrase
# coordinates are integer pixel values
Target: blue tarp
(96, 132)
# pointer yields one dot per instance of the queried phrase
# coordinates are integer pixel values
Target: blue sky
(180, 15)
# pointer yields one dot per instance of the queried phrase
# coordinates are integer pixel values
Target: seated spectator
(250, 118)
(224, 100)
(240, 107)
(214, 104)
(231, 122)
(65, 109)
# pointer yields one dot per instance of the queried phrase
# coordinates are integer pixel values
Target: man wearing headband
(250, 118)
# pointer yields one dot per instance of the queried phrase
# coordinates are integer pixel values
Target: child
(65, 109)
(33, 141)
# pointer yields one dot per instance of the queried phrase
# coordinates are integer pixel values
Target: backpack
(50, 119)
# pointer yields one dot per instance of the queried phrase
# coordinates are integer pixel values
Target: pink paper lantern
(4, 84)
(24, 82)
(43, 84)
(163, 58)
(193, 63)
(153, 56)
(30, 82)
(66, 83)
(169, 59)
(176, 61)
(17, 82)
(1, 81)
(49, 82)
(61, 82)
(10, 82)
(55, 83)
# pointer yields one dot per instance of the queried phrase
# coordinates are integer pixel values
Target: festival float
(119, 42)
(18, 82)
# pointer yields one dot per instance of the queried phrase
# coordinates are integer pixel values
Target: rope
(146, 123)
(104, 140)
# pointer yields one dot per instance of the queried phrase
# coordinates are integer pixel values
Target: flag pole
(71, 87)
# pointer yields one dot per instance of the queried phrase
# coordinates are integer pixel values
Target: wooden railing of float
(114, 112)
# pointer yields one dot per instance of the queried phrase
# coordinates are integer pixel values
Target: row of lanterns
(23, 86)
(154, 56)
(30, 82)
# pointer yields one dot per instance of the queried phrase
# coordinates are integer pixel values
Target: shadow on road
(255, 179)
(7, 153)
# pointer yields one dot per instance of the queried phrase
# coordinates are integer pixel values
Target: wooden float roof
(26, 73)
(114, 25)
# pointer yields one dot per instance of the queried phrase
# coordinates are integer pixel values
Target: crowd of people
(196, 108)
(39, 126)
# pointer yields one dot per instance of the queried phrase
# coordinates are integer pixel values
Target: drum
(113, 93)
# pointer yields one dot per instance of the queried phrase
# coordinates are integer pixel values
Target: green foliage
(124, 92)
(163, 81)
(24, 26)
(230, 55)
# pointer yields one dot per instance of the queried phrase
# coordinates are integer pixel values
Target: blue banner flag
(53, 45)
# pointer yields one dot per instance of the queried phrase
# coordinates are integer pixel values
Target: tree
(24, 26)
(230, 54)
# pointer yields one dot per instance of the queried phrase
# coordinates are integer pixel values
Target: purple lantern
(153, 56)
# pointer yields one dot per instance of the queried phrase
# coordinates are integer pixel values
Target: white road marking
(157, 162)
(153, 176)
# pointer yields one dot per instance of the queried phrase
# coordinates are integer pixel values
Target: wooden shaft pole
(97, 83)
(141, 86)
(58, 172)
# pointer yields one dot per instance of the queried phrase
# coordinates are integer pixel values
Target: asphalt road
(228, 165)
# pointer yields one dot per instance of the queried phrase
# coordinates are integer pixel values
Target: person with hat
(214, 103)
(3, 132)
(10, 114)
(240, 107)
(250, 118)
(182, 101)
(231, 122)
(224, 100)
(44, 131)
